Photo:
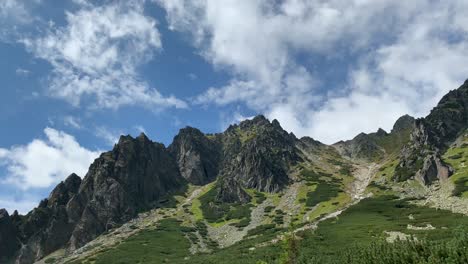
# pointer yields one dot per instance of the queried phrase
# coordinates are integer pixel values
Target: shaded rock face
(403, 123)
(375, 146)
(431, 137)
(363, 146)
(9, 243)
(197, 156)
(47, 227)
(132, 177)
(230, 191)
(433, 169)
(120, 183)
(258, 154)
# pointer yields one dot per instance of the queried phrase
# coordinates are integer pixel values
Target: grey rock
(9, 243)
(258, 154)
(131, 178)
(403, 123)
(197, 156)
(230, 191)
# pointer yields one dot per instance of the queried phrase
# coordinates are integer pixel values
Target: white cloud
(72, 122)
(140, 129)
(96, 54)
(111, 137)
(43, 163)
(14, 11)
(22, 72)
(23, 206)
(407, 55)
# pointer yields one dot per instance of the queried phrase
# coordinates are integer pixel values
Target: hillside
(258, 194)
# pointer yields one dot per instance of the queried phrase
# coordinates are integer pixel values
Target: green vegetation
(403, 173)
(215, 211)
(246, 135)
(461, 186)
(162, 245)
(356, 236)
(413, 251)
(50, 260)
(327, 187)
(456, 157)
(365, 223)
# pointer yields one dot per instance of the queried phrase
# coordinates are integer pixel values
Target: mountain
(421, 157)
(241, 191)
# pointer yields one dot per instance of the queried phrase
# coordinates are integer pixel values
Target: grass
(329, 206)
(195, 209)
(359, 230)
(457, 157)
(327, 187)
(166, 244)
(303, 191)
(218, 213)
(365, 223)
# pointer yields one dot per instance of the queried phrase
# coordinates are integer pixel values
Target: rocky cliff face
(197, 156)
(378, 145)
(47, 227)
(431, 137)
(120, 183)
(133, 177)
(137, 174)
(258, 153)
(9, 242)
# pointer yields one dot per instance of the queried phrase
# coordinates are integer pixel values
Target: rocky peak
(64, 191)
(403, 123)
(258, 154)
(363, 146)
(431, 136)
(9, 243)
(381, 133)
(120, 183)
(257, 121)
(197, 156)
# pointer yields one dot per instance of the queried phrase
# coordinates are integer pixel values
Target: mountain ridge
(245, 162)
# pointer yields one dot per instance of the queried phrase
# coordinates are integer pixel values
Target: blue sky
(76, 74)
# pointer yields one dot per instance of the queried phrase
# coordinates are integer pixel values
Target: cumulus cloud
(406, 55)
(96, 54)
(43, 163)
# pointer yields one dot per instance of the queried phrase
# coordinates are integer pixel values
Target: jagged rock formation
(197, 156)
(375, 146)
(431, 137)
(8, 236)
(47, 227)
(403, 124)
(258, 154)
(120, 183)
(131, 178)
(230, 191)
(363, 146)
(138, 174)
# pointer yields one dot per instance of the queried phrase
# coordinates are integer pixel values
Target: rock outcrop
(258, 154)
(9, 242)
(431, 136)
(376, 146)
(47, 227)
(230, 191)
(133, 177)
(120, 183)
(197, 156)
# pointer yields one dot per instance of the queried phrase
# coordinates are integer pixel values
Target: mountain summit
(225, 187)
